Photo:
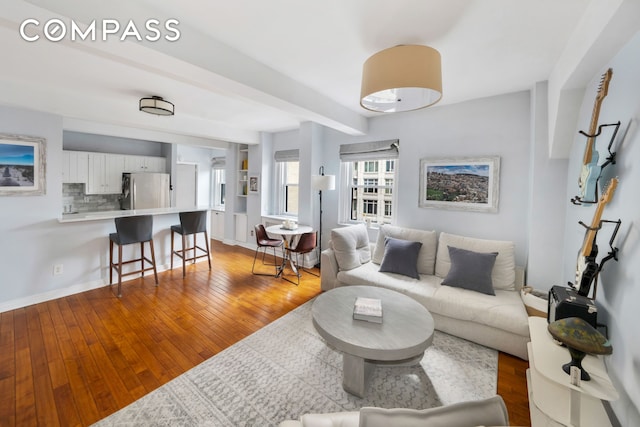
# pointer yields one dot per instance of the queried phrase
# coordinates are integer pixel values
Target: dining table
(290, 236)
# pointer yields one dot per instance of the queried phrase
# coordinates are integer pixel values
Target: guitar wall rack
(610, 160)
(612, 254)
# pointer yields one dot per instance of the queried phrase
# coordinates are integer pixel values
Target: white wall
(619, 287)
(547, 201)
(485, 127)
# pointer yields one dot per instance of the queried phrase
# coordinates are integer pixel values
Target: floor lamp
(322, 182)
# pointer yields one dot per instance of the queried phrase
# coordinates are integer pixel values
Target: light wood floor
(75, 360)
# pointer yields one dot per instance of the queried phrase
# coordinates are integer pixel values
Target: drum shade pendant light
(156, 105)
(401, 78)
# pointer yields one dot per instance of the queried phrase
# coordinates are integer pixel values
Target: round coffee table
(404, 334)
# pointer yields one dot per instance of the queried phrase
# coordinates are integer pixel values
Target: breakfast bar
(87, 236)
(101, 215)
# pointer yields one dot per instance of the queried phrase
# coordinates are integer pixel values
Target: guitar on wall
(587, 267)
(590, 171)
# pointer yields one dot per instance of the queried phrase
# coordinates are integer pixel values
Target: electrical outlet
(252, 232)
(58, 269)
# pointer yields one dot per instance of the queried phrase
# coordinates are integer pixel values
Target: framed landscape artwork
(464, 183)
(22, 165)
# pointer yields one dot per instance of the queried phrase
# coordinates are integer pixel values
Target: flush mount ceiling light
(401, 78)
(156, 105)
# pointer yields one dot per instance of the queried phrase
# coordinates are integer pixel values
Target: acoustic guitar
(590, 171)
(587, 267)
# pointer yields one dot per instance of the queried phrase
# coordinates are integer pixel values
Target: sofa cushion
(427, 255)
(367, 275)
(351, 246)
(471, 270)
(400, 256)
(491, 411)
(503, 274)
(504, 311)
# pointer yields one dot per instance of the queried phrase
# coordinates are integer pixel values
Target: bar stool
(129, 230)
(191, 223)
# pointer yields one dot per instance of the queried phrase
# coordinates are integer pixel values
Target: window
(371, 185)
(370, 207)
(371, 166)
(387, 208)
(388, 184)
(369, 169)
(390, 165)
(365, 194)
(291, 188)
(287, 173)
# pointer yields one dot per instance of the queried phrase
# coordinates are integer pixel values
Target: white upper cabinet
(75, 167)
(144, 164)
(102, 172)
(105, 173)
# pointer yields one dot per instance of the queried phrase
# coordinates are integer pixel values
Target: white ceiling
(245, 66)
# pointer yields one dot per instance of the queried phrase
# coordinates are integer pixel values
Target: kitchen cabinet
(217, 225)
(105, 173)
(75, 167)
(144, 164)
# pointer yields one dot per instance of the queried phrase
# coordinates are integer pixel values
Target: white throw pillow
(351, 246)
(427, 255)
(503, 275)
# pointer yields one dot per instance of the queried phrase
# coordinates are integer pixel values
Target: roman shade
(375, 150)
(287, 156)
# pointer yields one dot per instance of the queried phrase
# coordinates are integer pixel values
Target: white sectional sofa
(498, 321)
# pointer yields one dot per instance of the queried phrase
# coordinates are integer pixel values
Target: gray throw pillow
(401, 257)
(471, 270)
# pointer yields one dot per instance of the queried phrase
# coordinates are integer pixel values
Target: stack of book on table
(369, 309)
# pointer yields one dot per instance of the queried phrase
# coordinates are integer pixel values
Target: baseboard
(70, 290)
(51, 295)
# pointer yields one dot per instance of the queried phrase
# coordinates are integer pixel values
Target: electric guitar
(587, 267)
(590, 170)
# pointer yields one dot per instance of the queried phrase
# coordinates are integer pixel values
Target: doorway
(186, 185)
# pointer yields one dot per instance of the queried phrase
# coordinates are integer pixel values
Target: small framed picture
(254, 184)
(22, 165)
(463, 183)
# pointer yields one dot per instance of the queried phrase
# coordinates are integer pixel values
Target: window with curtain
(370, 169)
(287, 177)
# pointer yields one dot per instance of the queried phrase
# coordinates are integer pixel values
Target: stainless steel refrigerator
(145, 191)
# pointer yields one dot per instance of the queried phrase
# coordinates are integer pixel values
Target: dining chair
(307, 243)
(264, 242)
(191, 223)
(130, 230)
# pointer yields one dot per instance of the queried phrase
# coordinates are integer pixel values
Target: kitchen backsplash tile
(75, 200)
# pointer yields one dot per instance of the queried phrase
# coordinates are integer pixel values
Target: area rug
(286, 369)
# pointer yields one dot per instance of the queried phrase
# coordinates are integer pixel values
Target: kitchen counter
(94, 216)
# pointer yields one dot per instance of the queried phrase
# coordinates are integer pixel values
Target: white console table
(553, 400)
